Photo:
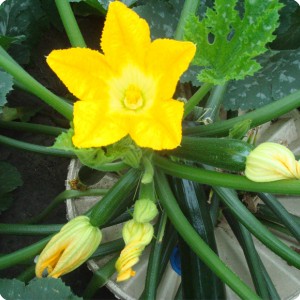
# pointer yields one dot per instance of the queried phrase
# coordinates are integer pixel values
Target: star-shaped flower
(129, 88)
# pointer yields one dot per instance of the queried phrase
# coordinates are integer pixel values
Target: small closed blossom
(271, 162)
(69, 248)
(136, 237)
(145, 211)
(127, 90)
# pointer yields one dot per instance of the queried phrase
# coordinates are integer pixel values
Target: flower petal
(125, 36)
(94, 128)
(166, 60)
(83, 71)
(160, 128)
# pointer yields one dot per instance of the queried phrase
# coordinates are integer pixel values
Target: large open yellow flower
(129, 89)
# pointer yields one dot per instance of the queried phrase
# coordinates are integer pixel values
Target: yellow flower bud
(270, 162)
(144, 211)
(136, 236)
(69, 248)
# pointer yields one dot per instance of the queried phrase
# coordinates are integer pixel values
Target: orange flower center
(133, 98)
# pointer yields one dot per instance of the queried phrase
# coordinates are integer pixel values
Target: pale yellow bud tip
(271, 162)
(69, 248)
(136, 236)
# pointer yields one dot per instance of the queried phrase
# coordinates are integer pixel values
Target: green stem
(35, 128)
(196, 98)
(238, 182)
(70, 23)
(251, 255)
(34, 148)
(190, 236)
(22, 229)
(109, 248)
(283, 215)
(99, 279)
(27, 274)
(239, 210)
(189, 8)
(34, 86)
(24, 254)
(214, 102)
(258, 117)
(147, 191)
(60, 199)
(274, 226)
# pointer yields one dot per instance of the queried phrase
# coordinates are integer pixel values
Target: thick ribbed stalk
(238, 182)
(24, 254)
(35, 128)
(35, 148)
(34, 86)
(22, 229)
(196, 98)
(189, 7)
(70, 24)
(60, 199)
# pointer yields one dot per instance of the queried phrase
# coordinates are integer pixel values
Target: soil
(43, 176)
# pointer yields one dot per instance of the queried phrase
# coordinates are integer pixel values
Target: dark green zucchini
(198, 281)
(228, 154)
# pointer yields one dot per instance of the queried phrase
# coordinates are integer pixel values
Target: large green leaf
(288, 33)
(162, 16)
(6, 84)
(279, 77)
(10, 179)
(228, 40)
(21, 23)
(42, 289)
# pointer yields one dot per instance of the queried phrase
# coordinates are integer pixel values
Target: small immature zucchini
(228, 154)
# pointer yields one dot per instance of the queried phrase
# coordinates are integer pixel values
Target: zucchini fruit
(198, 281)
(228, 154)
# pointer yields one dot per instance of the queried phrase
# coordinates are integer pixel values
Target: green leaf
(162, 16)
(6, 200)
(227, 42)
(6, 84)
(14, 113)
(124, 149)
(22, 22)
(42, 288)
(288, 33)
(6, 41)
(279, 77)
(10, 179)
(11, 289)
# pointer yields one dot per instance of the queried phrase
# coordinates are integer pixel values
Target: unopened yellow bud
(69, 248)
(144, 211)
(136, 236)
(271, 162)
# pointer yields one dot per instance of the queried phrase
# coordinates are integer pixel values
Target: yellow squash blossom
(68, 249)
(270, 162)
(136, 237)
(129, 88)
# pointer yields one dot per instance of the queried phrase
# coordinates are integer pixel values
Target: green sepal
(239, 130)
(227, 43)
(124, 150)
